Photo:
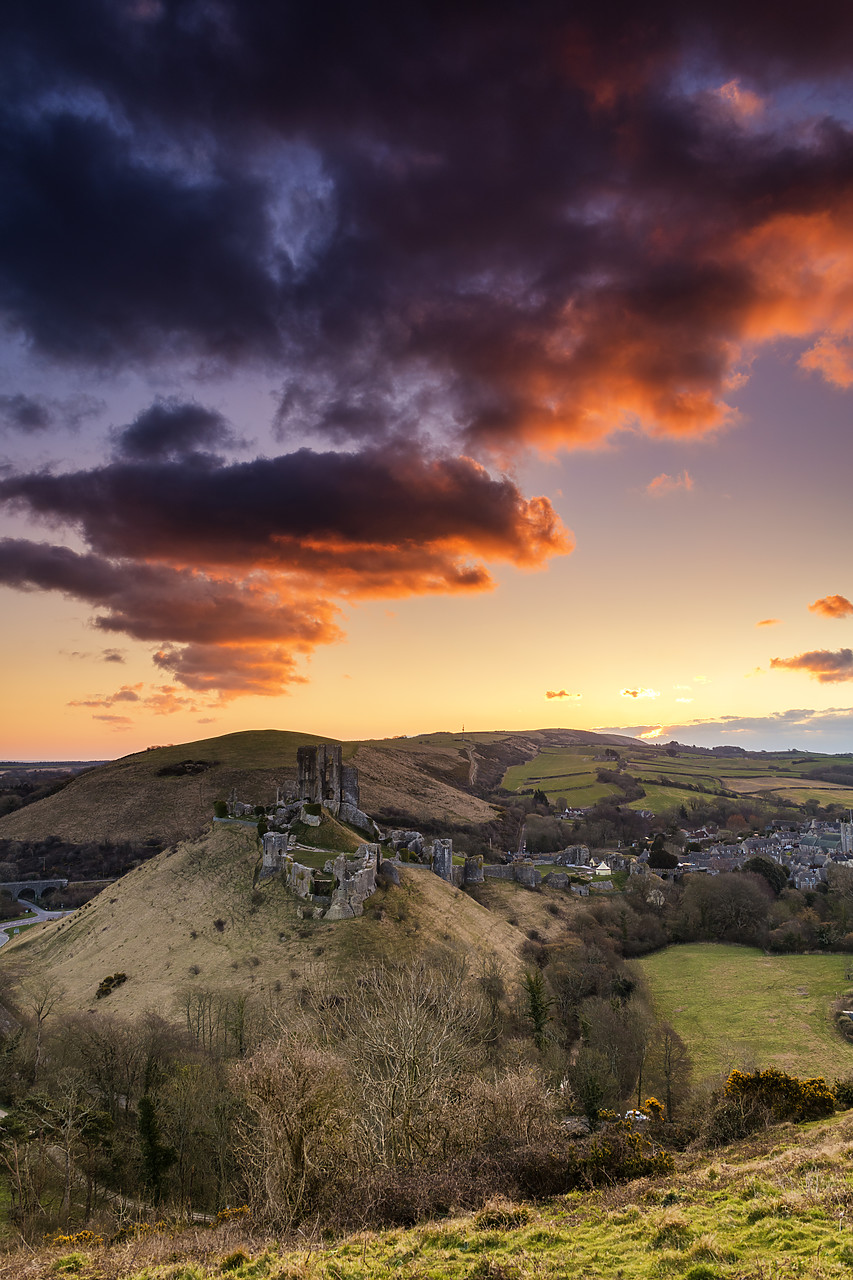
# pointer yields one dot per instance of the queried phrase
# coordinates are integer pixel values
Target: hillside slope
(191, 921)
(433, 777)
(775, 1205)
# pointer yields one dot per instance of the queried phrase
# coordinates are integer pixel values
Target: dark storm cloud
(232, 569)
(448, 228)
(156, 602)
(521, 221)
(29, 414)
(362, 515)
(170, 428)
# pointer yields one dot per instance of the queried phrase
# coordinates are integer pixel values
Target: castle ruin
(323, 778)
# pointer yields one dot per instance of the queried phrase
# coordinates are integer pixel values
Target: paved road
(41, 914)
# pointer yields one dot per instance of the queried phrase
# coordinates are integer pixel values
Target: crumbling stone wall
(442, 859)
(323, 778)
(355, 878)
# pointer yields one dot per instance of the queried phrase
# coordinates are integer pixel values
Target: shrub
(234, 1260)
(751, 1100)
(220, 809)
(502, 1215)
(786, 1097)
(109, 984)
(843, 1092)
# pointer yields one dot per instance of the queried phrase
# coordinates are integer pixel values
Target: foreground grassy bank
(735, 1006)
(777, 1205)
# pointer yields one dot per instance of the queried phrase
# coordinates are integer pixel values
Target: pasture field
(834, 795)
(571, 772)
(552, 764)
(660, 799)
(562, 772)
(737, 1007)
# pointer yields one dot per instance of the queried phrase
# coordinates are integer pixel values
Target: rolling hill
(146, 797)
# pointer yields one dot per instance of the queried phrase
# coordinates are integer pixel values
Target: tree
(669, 1068)
(775, 874)
(660, 856)
(538, 1006)
(157, 1158)
(296, 1096)
(40, 998)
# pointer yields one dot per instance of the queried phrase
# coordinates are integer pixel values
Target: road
(40, 913)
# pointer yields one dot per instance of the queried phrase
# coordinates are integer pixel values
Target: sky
(382, 369)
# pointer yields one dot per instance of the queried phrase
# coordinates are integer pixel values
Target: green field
(561, 772)
(736, 1007)
(659, 799)
(572, 772)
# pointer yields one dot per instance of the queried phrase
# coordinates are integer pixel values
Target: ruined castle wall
(308, 782)
(494, 872)
(442, 859)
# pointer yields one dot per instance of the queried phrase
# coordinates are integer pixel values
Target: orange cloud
(640, 693)
(827, 666)
(234, 571)
(127, 693)
(832, 607)
(833, 358)
(741, 102)
(664, 484)
(768, 622)
(561, 693)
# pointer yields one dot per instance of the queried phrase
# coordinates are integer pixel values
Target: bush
(109, 984)
(220, 809)
(786, 1097)
(843, 1092)
(752, 1099)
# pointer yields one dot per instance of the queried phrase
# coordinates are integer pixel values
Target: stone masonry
(324, 779)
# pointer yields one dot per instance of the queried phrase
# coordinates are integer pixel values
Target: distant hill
(167, 794)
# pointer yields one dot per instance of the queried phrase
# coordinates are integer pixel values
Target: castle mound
(192, 923)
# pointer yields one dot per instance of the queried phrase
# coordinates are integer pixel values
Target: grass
(571, 772)
(773, 1207)
(12, 931)
(736, 1007)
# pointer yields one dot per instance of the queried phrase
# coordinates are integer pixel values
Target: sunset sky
(384, 368)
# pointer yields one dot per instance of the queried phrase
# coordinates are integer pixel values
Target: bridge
(21, 888)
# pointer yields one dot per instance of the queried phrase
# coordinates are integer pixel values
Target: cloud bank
(453, 233)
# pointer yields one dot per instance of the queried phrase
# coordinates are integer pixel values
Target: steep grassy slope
(773, 1207)
(737, 1007)
(191, 920)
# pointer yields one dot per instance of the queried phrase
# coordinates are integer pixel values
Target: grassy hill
(438, 778)
(192, 920)
(737, 1007)
(134, 800)
(776, 1205)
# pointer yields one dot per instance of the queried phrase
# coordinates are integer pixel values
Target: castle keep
(323, 778)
